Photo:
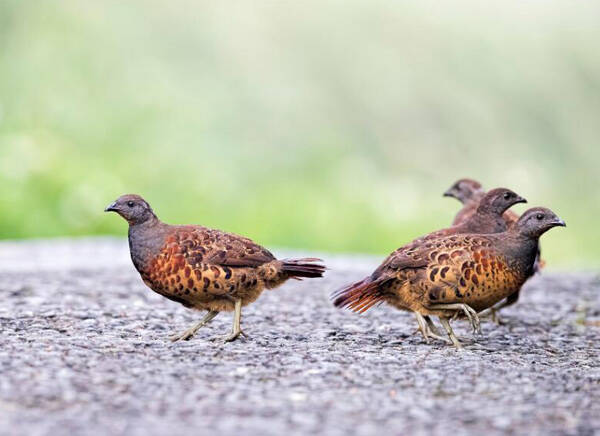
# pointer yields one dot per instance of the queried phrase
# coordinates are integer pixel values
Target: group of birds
(485, 257)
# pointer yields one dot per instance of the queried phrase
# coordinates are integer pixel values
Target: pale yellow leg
(236, 330)
(192, 330)
(422, 326)
(493, 314)
(471, 314)
(428, 328)
(446, 324)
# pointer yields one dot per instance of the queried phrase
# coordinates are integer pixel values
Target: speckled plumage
(470, 193)
(472, 269)
(203, 268)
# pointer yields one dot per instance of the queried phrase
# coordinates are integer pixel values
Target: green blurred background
(330, 126)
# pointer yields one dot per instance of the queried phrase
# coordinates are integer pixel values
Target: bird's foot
(446, 324)
(495, 317)
(189, 333)
(434, 332)
(472, 316)
(185, 336)
(428, 329)
(234, 335)
(439, 338)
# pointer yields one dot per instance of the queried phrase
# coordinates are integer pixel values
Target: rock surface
(84, 351)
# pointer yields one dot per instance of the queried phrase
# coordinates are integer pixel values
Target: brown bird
(202, 268)
(460, 273)
(470, 193)
(487, 218)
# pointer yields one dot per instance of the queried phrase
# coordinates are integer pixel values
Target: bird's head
(537, 221)
(499, 200)
(132, 208)
(463, 190)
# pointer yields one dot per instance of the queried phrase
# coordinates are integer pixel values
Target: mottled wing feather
(228, 249)
(467, 270)
(407, 257)
(198, 264)
(215, 247)
(453, 269)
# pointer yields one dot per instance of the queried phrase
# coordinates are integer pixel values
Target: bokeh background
(329, 126)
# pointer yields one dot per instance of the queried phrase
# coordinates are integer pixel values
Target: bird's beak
(520, 200)
(111, 207)
(560, 223)
(448, 193)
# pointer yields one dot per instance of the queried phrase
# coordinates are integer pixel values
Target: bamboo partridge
(452, 275)
(202, 268)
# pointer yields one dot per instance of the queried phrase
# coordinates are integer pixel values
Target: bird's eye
(130, 203)
(539, 216)
(507, 195)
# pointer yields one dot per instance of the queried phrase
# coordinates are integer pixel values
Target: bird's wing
(411, 256)
(227, 249)
(461, 265)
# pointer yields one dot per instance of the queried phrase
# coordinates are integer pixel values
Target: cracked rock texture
(84, 351)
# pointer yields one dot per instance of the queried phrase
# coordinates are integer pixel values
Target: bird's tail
(305, 267)
(358, 297)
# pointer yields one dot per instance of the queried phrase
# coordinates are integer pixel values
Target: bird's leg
(192, 330)
(422, 326)
(453, 338)
(433, 331)
(493, 314)
(471, 314)
(432, 328)
(428, 329)
(236, 330)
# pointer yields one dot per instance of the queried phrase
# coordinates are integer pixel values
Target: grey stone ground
(84, 350)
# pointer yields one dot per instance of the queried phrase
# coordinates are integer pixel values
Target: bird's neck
(474, 199)
(521, 250)
(486, 222)
(145, 241)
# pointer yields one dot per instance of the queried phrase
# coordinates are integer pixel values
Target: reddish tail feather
(358, 297)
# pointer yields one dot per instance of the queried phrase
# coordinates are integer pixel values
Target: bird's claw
(474, 318)
(234, 335)
(185, 336)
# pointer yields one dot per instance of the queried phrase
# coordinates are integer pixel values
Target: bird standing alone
(202, 268)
